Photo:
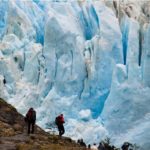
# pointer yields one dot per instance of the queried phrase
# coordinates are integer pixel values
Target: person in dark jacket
(125, 146)
(4, 81)
(101, 146)
(30, 119)
(82, 143)
(59, 122)
(89, 147)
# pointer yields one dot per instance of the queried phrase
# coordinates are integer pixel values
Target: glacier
(89, 60)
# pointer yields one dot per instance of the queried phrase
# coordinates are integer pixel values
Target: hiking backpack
(31, 115)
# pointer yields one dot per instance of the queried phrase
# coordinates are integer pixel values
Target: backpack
(59, 120)
(31, 115)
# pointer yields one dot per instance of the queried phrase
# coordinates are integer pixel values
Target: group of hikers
(105, 146)
(30, 119)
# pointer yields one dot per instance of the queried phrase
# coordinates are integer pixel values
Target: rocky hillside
(13, 135)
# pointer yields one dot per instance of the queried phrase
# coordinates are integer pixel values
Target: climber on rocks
(59, 120)
(30, 119)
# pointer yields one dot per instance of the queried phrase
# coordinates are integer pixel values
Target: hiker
(4, 81)
(78, 141)
(59, 122)
(82, 143)
(94, 147)
(101, 146)
(30, 119)
(125, 146)
(89, 147)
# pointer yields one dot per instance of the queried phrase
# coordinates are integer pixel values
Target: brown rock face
(18, 127)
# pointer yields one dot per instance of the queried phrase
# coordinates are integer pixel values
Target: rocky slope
(13, 134)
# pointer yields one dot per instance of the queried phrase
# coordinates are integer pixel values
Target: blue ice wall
(36, 16)
(89, 21)
(125, 31)
(3, 17)
(146, 56)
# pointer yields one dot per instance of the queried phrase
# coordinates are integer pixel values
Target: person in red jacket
(30, 119)
(59, 122)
